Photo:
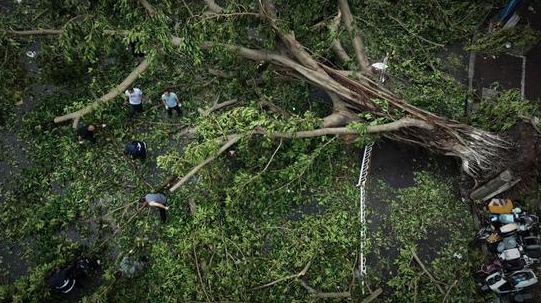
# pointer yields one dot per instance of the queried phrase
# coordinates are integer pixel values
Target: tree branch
(221, 73)
(231, 140)
(216, 107)
(406, 28)
(340, 115)
(213, 7)
(336, 44)
(35, 32)
(389, 127)
(200, 276)
(427, 272)
(358, 46)
(373, 296)
(317, 77)
(319, 294)
(267, 9)
(148, 7)
(275, 108)
(143, 66)
(298, 275)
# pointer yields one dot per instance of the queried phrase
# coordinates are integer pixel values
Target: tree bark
(35, 32)
(341, 115)
(383, 128)
(213, 7)
(216, 107)
(336, 44)
(148, 7)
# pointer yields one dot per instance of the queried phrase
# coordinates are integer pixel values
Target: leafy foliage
(520, 36)
(503, 110)
(427, 219)
(260, 213)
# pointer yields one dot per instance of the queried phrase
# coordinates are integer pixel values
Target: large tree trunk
(483, 154)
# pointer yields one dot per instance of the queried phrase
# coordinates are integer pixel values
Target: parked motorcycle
(524, 221)
(487, 269)
(515, 282)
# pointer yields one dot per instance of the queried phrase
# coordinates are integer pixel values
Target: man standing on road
(158, 201)
(134, 96)
(171, 102)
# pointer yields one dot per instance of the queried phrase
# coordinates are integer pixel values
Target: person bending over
(136, 149)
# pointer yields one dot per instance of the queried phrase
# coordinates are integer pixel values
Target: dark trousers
(163, 215)
(142, 154)
(176, 108)
(135, 108)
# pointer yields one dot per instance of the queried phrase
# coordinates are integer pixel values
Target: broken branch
(232, 139)
(319, 294)
(148, 7)
(373, 296)
(213, 7)
(216, 107)
(35, 32)
(298, 275)
(200, 276)
(427, 272)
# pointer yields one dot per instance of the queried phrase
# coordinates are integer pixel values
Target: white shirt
(135, 97)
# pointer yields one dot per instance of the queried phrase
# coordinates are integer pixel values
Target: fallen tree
(483, 154)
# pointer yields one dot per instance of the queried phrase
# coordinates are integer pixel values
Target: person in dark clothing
(136, 149)
(158, 201)
(62, 280)
(138, 55)
(86, 132)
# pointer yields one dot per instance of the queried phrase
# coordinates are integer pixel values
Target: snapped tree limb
(231, 140)
(319, 294)
(215, 107)
(148, 7)
(298, 275)
(389, 127)
(35, 32)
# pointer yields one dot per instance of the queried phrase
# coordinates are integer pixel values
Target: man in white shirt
(134, 96)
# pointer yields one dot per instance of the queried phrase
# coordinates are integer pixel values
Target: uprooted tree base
(525, 156)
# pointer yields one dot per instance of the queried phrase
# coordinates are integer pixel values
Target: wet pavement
(533, 57)
(394, 164)
(514, 69)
